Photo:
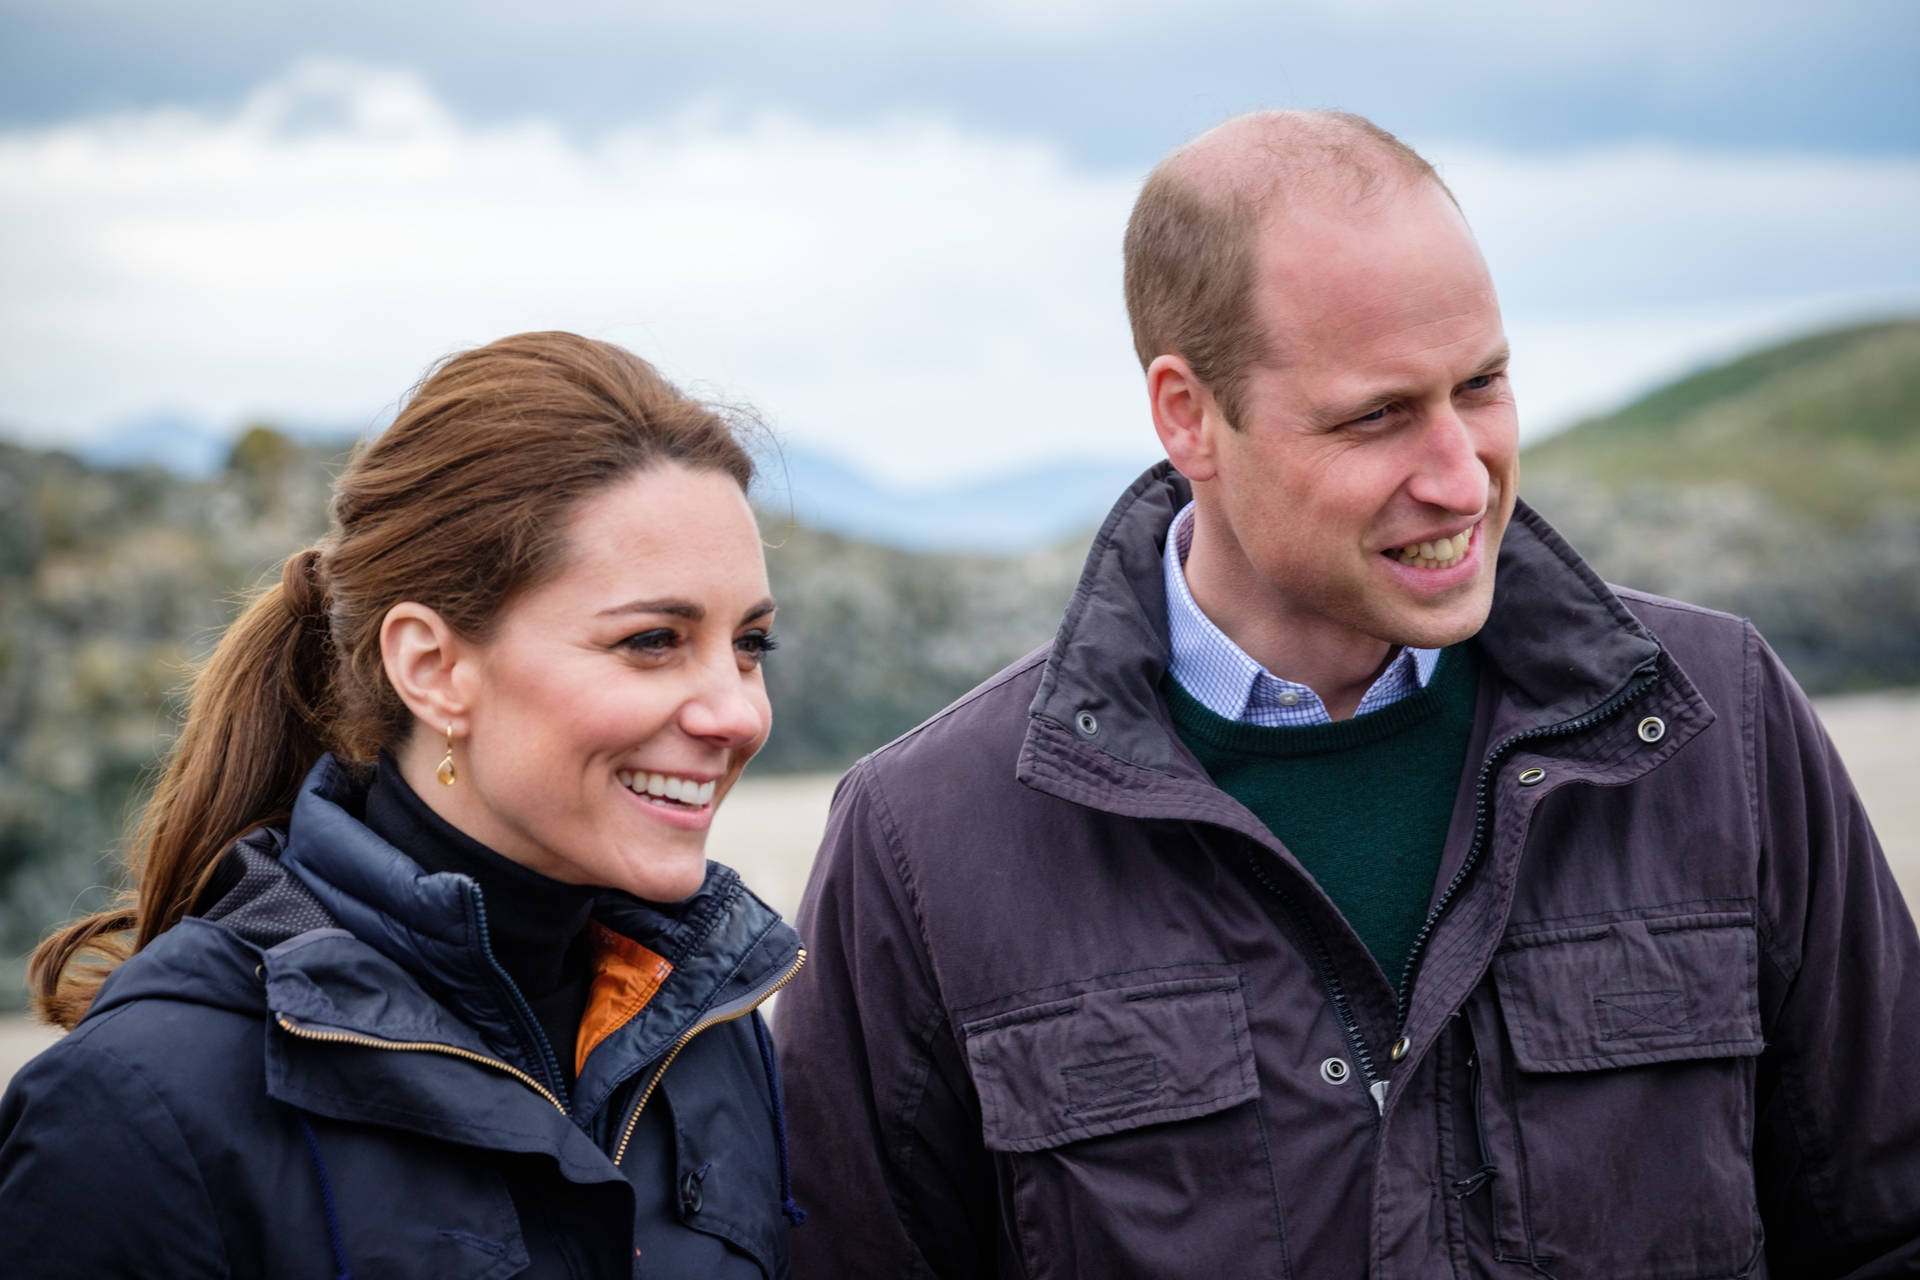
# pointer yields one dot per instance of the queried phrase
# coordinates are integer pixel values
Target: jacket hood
(1561, 640)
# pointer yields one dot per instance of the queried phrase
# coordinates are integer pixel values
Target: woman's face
(618, 702)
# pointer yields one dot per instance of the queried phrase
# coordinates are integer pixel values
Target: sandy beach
(769, 828)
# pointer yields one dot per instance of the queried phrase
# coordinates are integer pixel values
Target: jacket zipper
(530, 1025)
(746, 1006)
(1322, 959)
(420, 1046)
(1322, 962)
(1647, 678)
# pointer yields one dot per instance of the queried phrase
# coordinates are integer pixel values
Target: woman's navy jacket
(324, 1073)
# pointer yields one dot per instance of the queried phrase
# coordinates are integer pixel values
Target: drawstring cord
(341, 1270)
(795, 1214)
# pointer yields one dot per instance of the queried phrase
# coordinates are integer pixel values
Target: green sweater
(1363, 804)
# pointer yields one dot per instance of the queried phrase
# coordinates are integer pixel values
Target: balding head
(1191, 242)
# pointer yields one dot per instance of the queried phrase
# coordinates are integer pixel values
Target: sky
(893, 229)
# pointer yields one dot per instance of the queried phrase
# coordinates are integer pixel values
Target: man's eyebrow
(1501, 357)
(1330, 416)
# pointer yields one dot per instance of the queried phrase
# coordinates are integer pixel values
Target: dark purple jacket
(1073, 1011)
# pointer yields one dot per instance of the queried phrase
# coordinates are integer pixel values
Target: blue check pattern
(1226, 681)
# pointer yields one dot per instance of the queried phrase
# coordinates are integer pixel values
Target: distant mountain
(182, 445)
(195, 449)
(1006, 513)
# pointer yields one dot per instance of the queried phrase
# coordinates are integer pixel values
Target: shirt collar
(1226, 681)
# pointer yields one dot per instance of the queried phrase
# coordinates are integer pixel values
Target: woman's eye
(756, 644)
(658, 640)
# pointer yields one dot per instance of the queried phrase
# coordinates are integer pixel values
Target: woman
(429, 975)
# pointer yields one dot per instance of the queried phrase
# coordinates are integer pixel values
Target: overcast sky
(892, 227)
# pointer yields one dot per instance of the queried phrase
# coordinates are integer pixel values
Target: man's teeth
(1443, 553)
(667, 787)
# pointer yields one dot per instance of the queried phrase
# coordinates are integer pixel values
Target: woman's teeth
(662, 786)
(1443, 553)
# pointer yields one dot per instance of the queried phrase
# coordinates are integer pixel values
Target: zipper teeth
(1323, 962)
(521, 1007)
(626, 1134)
(421, 1046)
(1402, 999)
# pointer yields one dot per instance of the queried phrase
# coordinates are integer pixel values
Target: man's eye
(1481, 383)
(1378, 415)
(658, 640)
(756, 644)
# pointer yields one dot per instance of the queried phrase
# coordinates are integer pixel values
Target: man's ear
(426, 664)
(1184, 416)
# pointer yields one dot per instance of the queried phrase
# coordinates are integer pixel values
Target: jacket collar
(723, 945)
(1559, 641)
(398, 958)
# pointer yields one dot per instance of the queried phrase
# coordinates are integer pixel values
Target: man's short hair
(1192, 241)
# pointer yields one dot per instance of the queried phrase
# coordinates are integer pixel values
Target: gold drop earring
(445, 772)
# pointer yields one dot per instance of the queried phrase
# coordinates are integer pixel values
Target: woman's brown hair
(459, 505)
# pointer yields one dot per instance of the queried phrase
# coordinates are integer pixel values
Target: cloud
(920, 298)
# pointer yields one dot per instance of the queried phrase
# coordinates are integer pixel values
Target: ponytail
(257, 722)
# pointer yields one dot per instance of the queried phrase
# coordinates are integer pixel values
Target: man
(1356, 886)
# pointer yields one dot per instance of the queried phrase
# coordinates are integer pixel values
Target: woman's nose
(729, 707)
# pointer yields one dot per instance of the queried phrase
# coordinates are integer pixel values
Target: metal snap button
(1400, 1048)
(1652, 729)
(1528, 777)
(1334, 1071)
(1086, 724)
(690, 1195)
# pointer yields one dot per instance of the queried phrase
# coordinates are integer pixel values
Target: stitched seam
(358, 1105)
(912, 1093)
(1019, 667)
(1222, 982)
(1526, 928)
(1788, 965)
(1181, 1111)
(890, 837)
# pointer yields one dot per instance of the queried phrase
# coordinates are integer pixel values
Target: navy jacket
(1073, 1011)
(324, 1073)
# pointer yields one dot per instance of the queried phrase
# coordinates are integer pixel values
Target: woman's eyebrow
(675, 608)
(761, 610)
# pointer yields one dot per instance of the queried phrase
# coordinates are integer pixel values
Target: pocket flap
(1103, 1061)
(1631, 992)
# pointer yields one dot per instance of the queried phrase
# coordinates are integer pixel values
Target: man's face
(1384, 422)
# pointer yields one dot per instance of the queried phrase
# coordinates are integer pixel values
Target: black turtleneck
(535, 925)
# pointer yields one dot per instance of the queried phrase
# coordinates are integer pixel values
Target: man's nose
(1450, 473)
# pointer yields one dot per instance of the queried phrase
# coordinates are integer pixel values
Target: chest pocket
(1125, 1123)
(1618, 1063)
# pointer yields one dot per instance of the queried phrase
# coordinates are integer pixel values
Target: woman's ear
(425, 664)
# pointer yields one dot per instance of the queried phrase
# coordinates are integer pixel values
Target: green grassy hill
(1783, 486)
(1827, 426)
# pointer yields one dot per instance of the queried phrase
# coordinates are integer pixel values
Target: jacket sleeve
(1837, 1144)
(888, 1161)
(96, 1179)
